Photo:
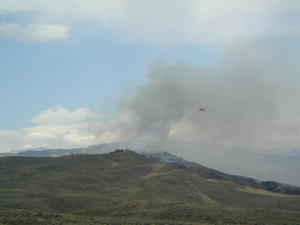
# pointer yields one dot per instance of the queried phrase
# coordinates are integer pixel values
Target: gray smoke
(237, 97)
(242, 122)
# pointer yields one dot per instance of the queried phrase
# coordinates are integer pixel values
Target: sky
(83, 72)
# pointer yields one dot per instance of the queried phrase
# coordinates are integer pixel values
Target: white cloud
(63, 116)
(27, 146)
(74, 137)
(195, 21)
(14, 6)
(7, 133)
(34, 32)
(61, 128)
(45, 132)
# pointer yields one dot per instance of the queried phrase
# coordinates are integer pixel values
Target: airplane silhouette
(202, 109)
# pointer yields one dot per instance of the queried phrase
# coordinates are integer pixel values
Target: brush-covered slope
(124, 184)
(163, 157)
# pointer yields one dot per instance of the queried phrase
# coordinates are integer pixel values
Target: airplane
(202, 109)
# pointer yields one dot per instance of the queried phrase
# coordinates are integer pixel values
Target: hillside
(168, 158)
(281, 167)
(133, 187)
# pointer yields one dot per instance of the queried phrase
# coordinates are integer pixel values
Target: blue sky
(76, 61)
(79, 72)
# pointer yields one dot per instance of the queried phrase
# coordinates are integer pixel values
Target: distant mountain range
(94, 149)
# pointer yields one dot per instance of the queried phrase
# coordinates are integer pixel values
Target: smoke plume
(237, 97)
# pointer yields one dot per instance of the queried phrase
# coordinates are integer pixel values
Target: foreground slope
(130, 186)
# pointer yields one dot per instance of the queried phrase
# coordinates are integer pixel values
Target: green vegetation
(126, 188)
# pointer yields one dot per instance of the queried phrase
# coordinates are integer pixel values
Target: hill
(126, 187)
(281, 167)
(168, 158)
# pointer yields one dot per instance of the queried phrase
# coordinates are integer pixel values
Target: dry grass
(215, 180)
(157, 170)
(264, 192)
